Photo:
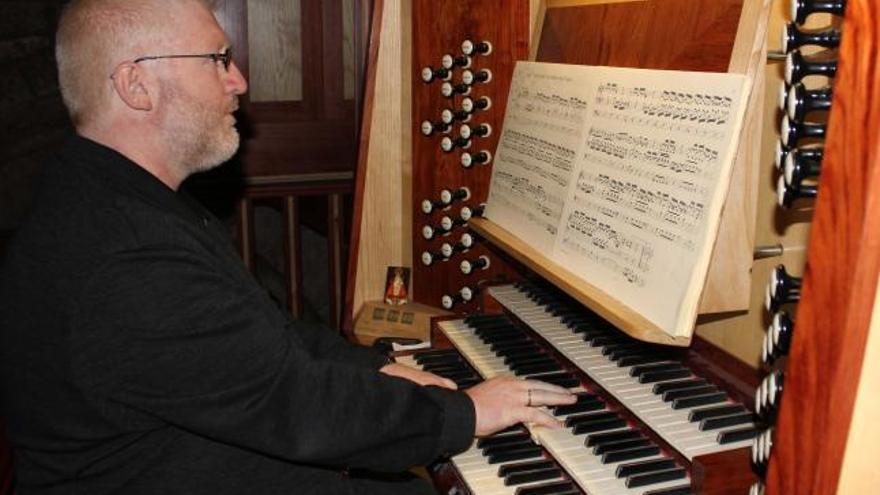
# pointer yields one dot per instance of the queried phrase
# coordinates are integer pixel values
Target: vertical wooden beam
(293, 255)
(246, 231)
(335, 255)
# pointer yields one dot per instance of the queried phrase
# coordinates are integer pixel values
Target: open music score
(619, 175)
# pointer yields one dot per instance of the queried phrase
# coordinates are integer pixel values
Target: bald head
(94, 36)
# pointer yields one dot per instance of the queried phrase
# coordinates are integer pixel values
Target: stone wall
(32, 117)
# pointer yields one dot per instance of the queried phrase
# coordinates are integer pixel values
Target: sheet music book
(619, 175)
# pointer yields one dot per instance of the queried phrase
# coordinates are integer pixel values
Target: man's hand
(417, 376)
(504, 401)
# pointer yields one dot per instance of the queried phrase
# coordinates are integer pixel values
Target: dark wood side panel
(438, 29)
(840, 279)
(5, 462)
(653, 34)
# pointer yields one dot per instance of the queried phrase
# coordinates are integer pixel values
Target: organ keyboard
(641, 417)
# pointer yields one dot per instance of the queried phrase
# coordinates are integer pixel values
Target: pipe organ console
(649, 419)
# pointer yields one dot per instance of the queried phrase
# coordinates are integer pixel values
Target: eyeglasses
(225, 57)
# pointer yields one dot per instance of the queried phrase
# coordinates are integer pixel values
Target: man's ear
(129, 84)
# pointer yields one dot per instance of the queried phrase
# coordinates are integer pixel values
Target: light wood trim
(728, 282)
(859, 473)
(382, 226)
(602, 303)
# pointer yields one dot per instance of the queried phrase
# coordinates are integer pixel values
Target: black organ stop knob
(465, 295)
(798, 167)
(468, 47)
(792, 131)
(470, 105)
(470, 77)
(467, 212)
(793, 38)
(481, 130)
(801, 101)
(429, 74)
(786, 194)
(482, 157)
(468, 266)
(449, 61)
(448, 144)
(464, 244)
(450, 116)
(429, 258)
(800, 9)
(757, 488)
(446, 199)
(768, 395)
(798, 67)
(762, 446)
(781, 289)
(429, 127)
(447, 223)
(782, 152)
(777, 340)
(449, 90)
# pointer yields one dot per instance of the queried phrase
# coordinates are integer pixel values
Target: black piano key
(611, 424)
(725, 421)
(652, 368)
(512, 445)
(675, 490)
(512, 354)
(630, 454)
(662, 388)
(714, 412)
(525, 360)
(688, 392)
(505, 338)
(700, 400)
(614, 436)
(591, 403)
(531, 369)
(515, 455)
(580, 419)
(623, 445)
(656, 477)
(629, 347)
(533, 476)
(485, 318)
(444, 367)
(524, 466)
(662, 376)
(458, 375)
(641, 467)
(564, 379)
(510, 346)
(637, 359)
(467, 383)
(495, 440)
(736, 435)
(435, 352)
(552, 488)
(449, 357)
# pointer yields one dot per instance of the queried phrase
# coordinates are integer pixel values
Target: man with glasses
(138, 356)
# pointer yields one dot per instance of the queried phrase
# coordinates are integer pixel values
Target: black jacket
(138, 355)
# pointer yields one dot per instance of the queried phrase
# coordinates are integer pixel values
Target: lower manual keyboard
(598, 448)
(692, 415)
